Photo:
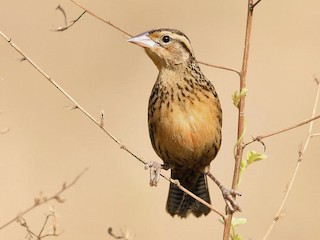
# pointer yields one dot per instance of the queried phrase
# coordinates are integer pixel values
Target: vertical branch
(241, 113)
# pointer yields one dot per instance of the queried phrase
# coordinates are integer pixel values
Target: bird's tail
(180, 203)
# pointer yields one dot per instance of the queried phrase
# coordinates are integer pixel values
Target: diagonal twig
(259, 138)
(300, 156)
(38, 202)
(129, 35)
(61, 29)
(98, 123)
(101, 19)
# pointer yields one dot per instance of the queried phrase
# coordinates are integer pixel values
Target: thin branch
(129, 35)
(315, 135)
(101, 19)
(300, 156)
(61, 29)
(38, 202)
(241, 114)
(63, 13)
(44, 225)
(98, 123)
(256, 3)
(77, 105)
(24, 224)
(259, 138)
(31, 234)
(220, 67)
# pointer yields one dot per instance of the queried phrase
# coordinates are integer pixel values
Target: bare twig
(98, 123)
(256, 3)
(315, 135)
(32, 235)
(220, 67)
(300, 156)
(61, 29)
(40, 201)
(56, 85)
(101, 19)
(59, 8)
(259, 138)
(129, 35)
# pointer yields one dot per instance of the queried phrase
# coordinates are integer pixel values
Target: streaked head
(166, 47)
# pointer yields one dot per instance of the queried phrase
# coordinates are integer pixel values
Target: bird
(184, 118)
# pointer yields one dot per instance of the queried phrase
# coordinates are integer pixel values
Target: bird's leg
(228, 195)
(155, 171)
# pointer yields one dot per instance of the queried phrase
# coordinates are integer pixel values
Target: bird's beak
(143, 40)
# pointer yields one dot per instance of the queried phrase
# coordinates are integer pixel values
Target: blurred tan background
(47, 144)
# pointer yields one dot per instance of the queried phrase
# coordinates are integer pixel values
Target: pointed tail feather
(180, 203)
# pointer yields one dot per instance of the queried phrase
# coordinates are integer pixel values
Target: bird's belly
(186, 135)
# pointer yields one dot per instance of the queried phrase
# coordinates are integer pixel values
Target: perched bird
(184, 117)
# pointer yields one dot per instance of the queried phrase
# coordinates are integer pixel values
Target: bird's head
(168, 48)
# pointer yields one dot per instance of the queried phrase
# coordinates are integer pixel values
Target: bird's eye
(166, 39)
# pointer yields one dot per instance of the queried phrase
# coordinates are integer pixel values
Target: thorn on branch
(59, 199)
(37, 201)
(71, 107)
(102, 119)
(277, 218)
(122, 146)
(22, 59)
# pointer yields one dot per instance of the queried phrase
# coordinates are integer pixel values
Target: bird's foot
(155, 171)
(228, 195)
(229, 198)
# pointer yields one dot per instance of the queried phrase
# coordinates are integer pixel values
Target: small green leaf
(236, 96)
(221, 220)
(238, 221)
(234, 223)
(253, 156)
(236, 237)
(243, 164)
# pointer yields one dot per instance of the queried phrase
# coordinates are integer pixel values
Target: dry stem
(240, 145)
(41, 234)
(241, 113)
(300, 156)
(61, 29)
(259, 138)
(98, 123)
(39, 201)
(129, 35)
